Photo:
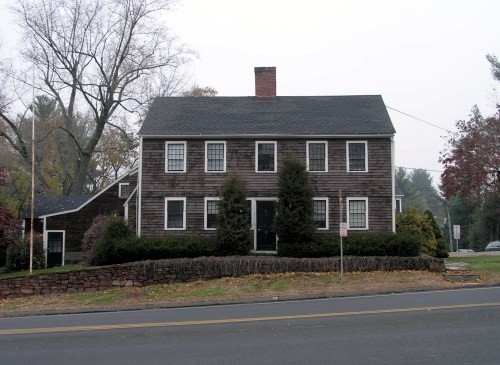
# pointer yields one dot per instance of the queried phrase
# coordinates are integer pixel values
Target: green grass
(16, 274)
(489, 264)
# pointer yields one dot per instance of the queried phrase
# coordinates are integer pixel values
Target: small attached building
(64, 220)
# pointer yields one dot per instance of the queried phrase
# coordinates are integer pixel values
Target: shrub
(294, 221)
(357, 244)
(233, 225)
(116, 228)
(131, 249)
(422, 224)
(18, 254)
(92, 235)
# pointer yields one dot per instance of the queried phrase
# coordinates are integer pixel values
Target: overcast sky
(426, 58)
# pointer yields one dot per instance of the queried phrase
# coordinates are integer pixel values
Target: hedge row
(129, 249)
(357, 244)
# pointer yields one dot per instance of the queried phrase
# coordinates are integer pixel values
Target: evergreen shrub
(356, 244)
(130, 249)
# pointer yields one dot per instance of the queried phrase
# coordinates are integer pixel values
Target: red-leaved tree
(472, 158)
(8, 223)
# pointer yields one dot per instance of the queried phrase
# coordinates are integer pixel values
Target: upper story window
(175, 213)
(357, 156)
(211, 212)
(320, 213)
(317, 156)
(357, 213)
(215, 156)
(123, 190)
(175, 157)
(265, 156)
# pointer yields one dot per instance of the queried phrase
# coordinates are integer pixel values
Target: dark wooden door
(266, 236)
(55, 241)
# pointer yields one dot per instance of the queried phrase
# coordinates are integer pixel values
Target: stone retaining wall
(184, 270)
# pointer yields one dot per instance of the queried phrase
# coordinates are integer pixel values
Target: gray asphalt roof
(55, 204)
(321, 115)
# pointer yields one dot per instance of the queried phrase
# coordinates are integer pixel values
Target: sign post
(343, 233)
(456, 233)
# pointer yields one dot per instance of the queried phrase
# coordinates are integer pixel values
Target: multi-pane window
(175, 213)
(215, 156)
(211, 211)
(123, 190)
(317, 156)
(320, 213)
(357, 210)
(266, 156)
(357, 156)
(175, 157)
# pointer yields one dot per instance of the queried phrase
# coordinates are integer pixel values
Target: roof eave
(267, 135)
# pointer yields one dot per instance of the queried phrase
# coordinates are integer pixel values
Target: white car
(493, 246)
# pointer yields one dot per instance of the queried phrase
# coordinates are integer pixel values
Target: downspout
(393, 179)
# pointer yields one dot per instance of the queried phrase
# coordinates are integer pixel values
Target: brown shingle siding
(196, 184)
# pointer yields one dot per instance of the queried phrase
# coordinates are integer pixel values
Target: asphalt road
(446, 327)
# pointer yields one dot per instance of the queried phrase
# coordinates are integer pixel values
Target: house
(64, 220)
(189, 145)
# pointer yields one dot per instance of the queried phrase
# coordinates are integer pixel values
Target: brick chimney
(265, 83)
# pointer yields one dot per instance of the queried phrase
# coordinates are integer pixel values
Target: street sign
(343, 229)
(456, 232)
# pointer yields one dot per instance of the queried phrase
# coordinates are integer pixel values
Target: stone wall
(184, 270)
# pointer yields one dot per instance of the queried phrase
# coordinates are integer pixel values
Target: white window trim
(400, 200)
(327, 225)
(120, 190)
(206, 156)
(257, 157)
(348, 214)
(366, 155)
(46, 243)
(166, 157)
(205, 223)
(183, 214)
(326, 154)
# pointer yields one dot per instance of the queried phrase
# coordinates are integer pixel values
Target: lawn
(483, 264)
(16, 274)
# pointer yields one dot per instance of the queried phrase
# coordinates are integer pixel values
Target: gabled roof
(287, 115)
(55, 205)
(52, 204)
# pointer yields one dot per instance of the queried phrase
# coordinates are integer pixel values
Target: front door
(266, 237)
(55, 242)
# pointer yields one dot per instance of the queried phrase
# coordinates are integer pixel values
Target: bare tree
(95, 57)
(197, 91)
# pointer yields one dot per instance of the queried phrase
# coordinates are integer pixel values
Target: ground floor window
(321, 213)
(211, 212)
(357, 213)
(175, 213)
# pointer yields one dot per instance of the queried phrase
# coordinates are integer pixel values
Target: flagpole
(32, 172)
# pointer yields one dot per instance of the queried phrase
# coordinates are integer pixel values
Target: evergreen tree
(441, 250)
(418, 224)
(233, 225)
(294, 221)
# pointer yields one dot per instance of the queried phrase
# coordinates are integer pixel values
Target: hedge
(357, 244)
